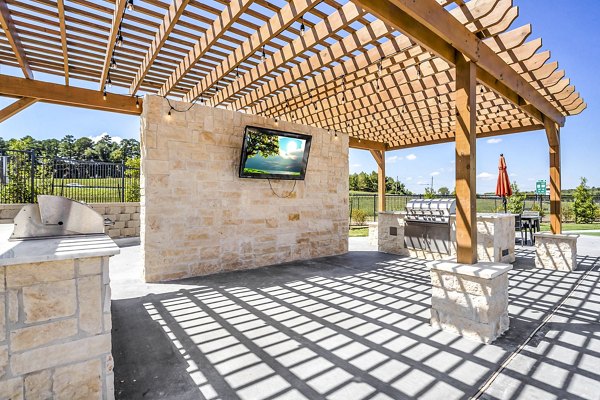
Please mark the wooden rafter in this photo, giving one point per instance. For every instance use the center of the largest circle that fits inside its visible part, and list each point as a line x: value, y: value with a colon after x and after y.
x: 168, y: 24
x: 429, y: 24
x: 15, y: 108
x: 14, y: 40
x: 63, y: 37
x: 112, y: 38
x: 11, y: 86
x: 277, y: 24
x: 219, y: 27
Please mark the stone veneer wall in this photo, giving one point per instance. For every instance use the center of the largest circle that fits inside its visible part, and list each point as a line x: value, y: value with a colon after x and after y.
x: 55, y: 325
x: 198, y: 217
x: 126, y: 217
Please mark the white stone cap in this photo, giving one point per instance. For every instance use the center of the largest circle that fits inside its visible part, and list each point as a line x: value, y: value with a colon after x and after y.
x: 561, y: 236
x: 485, y: 270
x: 496, y: 215
x: 39, y: 250
x: 392, y: 212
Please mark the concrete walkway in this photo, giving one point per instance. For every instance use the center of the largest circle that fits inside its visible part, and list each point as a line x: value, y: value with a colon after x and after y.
x: 353, y: 326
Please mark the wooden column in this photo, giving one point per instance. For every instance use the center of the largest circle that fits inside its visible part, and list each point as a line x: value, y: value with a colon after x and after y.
x: 379, y: 156
x: 554, y: 143
x: 466, y: 213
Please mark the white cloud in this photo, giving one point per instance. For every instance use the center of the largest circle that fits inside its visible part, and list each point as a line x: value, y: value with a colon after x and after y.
x: 512, y: 174
x: 486, y: 176
x: 494, y: 141
x: 96, y: 139
x: 423, y: 183
x: 411, y: 157
x: 355, y: 165
x: 409, y: 178
x: 392, y: 159
x: 434, y: 173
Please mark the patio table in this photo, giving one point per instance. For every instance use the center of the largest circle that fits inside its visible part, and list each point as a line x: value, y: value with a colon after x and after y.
x: 534, y: 225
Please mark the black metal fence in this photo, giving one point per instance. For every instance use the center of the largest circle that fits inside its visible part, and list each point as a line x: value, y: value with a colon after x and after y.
x: 366, y: 204
x: 25, y: 175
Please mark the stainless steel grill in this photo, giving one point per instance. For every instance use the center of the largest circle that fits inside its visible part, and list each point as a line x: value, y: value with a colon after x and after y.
x: 428, y: 224
x: 56, y: 216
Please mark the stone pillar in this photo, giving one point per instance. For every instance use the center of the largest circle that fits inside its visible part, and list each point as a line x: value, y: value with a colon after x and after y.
x: 557, y: 252
x: 55, y: 325
x: 390, y: 236
x: 373, y: 233
x: 470, y: 299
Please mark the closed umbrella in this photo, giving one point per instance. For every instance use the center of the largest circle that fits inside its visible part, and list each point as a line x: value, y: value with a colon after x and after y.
x: 503, y: 185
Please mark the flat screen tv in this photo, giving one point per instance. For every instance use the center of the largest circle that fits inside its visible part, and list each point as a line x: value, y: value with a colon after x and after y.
x: 273, y: 154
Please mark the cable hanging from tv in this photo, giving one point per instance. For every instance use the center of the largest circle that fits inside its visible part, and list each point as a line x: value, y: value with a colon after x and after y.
x: 280, y: 196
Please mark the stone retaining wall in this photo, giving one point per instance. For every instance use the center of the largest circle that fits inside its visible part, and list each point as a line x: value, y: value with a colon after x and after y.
x: 55, y: 326
x: 199, y: 217
x: 125, y: 217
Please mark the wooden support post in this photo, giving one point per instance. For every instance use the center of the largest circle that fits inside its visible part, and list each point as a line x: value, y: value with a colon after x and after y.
x: 379, y: 156
x: 466, y: 212
x: 554, y: 142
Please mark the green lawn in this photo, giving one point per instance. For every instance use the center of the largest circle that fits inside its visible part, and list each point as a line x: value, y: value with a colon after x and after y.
x: 591, y: 233
x: 359, y: 231
x: 568, y: 226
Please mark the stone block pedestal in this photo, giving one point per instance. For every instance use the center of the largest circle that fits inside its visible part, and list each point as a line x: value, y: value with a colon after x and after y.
x: 470, y: 300
x: 55, y: 320
x: 557, y: 252
x: 373, y: 233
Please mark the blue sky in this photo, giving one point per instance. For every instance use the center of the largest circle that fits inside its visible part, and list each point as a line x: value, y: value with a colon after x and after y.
x: 570, y: 29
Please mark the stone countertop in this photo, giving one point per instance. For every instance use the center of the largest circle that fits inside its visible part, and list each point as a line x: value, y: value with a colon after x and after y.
x: 479, y: 215
x: 485, y: 270
x: 39, y: 250
x: 550, y: 235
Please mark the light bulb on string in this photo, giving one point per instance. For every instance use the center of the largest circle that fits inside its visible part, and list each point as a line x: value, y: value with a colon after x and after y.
x: 109, y: 82
x: 113, y: 63
x: 104, y: 94
x: 137, y: 103
x: 263, y: 57
x: 130, y: 5
x: 302, y: 27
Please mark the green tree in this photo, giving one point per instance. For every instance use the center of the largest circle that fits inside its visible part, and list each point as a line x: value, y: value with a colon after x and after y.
x: 66, y: 147
x: 83, y: 149
x: 516, y: 202
x: 429, y: 193
x: 444, y: 191
x: 353, y: 181
x: 583, y: 204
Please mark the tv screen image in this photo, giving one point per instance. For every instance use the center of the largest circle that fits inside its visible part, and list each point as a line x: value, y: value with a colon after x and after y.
x: 273, y: 154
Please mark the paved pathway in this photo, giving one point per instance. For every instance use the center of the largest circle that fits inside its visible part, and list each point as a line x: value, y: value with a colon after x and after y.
x: 354, y: 327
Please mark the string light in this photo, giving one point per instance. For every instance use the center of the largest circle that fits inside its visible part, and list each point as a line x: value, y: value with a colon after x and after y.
x: 119, y: 41
x: 130, y: 5
x: 109, y: 81
x: 263, y: 57
x: 169, y: 113
x: 104, y: 94
x: 237, y: 73
x: 137, y: 103
x: 481, y: 90
x: 418, y: 71
x: 113, y: 63
x: 302, y: 27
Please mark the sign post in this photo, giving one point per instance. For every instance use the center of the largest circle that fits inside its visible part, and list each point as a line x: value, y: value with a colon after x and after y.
x: 540, y: 190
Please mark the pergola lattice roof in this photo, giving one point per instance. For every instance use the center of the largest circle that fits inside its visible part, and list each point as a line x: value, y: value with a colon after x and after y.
x: 349, y: 71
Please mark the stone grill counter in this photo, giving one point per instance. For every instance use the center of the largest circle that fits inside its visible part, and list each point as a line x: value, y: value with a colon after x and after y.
x: 55, y: 320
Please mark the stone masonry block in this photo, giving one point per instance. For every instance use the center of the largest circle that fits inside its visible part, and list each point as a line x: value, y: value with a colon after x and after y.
x: 89, y: 266
x: 78, y: 381
x: 30, y: 274
x: 60, y: 354
x: 477, y: 308
x: 90, y: 303
x: 468, y: 284
x: 47, y: 301
x: 41, y: 335
x: 11, y: 389
x: 39, y: 385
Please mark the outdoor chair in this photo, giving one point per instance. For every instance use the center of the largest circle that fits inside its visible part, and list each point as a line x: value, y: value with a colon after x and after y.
x: 533, y: 224
x: 519, y: 227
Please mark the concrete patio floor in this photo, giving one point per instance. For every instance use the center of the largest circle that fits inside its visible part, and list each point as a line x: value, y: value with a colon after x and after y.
x: 354, y: 326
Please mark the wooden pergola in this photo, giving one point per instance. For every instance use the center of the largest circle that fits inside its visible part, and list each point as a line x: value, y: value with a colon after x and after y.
x: 390, y: 73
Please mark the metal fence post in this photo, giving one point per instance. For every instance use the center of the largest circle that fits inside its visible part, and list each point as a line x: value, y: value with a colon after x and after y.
x: 32, y: 157
x: 375, y: 207
x: 122, y: 181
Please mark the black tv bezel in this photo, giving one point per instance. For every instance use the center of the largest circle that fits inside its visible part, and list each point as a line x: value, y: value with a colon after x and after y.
x: 269, y: 131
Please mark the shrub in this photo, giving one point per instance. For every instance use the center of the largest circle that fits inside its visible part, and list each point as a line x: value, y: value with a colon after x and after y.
x: 536, y: 207
x: 359, y: 216
x: 516, y: 202
x: 566, y: 212
x: 583, y: 205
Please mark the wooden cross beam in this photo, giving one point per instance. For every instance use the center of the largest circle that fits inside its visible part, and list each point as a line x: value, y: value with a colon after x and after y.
x: 15, y: 108
x: 219, y: 27
x: 166, y: 27
x: 433, y: 27
x: 112, y: 38
x: 14, y: 40
x: 277, y: 24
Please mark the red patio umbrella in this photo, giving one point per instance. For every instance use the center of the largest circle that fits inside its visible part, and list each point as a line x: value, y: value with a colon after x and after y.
x: 503, y: 185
